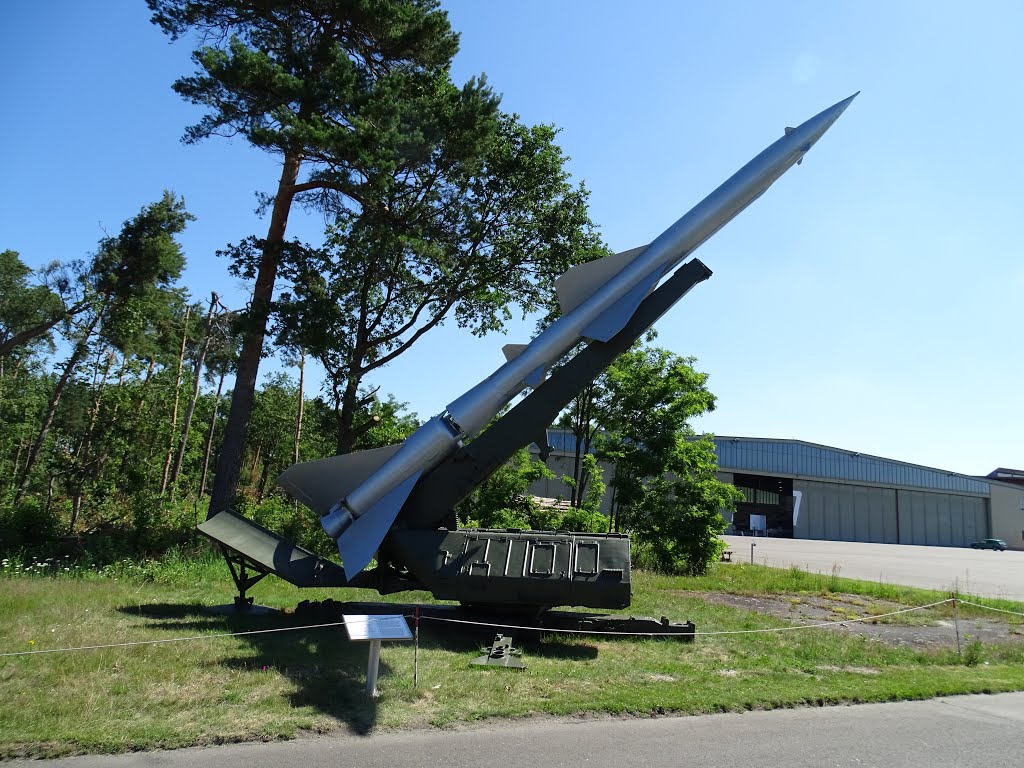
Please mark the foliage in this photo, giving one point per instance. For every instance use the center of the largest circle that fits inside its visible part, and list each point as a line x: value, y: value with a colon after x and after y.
x: 28, y: 526
x: 293, y: 522
x: 442, y: 208
x: 27, y: 312
x: 589, y: 501
x: 503, y: 500
x: 678, y: 523
x: 664, y: 486
x: 473, y: 223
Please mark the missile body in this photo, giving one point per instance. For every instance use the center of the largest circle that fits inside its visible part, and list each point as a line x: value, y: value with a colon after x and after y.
x: 597, y: 299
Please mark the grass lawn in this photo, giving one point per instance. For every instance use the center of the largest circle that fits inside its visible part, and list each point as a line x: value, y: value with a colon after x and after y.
x: 278, y: 685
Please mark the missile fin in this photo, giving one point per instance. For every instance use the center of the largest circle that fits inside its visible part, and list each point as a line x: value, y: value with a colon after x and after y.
x: 614, y: 319
x: 512, y: 351
x: 581, y: 281
x: 322, y: 483
x: 360, y: 542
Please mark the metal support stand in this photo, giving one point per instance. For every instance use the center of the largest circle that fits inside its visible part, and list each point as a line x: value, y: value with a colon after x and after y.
x: 373, y: 669
x: 237, y: 564
x: 956, y: 623
x: 416, y: 651
x: 374, y: 629
x: 241, y: 569
x: 501, y: 654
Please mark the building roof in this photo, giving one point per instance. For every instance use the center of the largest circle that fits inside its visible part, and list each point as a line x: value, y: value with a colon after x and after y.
x: 1003, y: 473
x: 755, y: 455
x: 797, y: 458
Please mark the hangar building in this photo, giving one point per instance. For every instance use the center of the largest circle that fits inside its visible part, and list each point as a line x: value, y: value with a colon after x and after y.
x: 801, y: 490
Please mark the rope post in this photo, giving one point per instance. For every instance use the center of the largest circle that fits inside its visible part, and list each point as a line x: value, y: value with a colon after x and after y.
x: 416, y: 650
x: 956, y: 622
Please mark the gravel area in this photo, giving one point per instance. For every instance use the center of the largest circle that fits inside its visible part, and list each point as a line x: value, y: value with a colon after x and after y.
x: 926, y: 629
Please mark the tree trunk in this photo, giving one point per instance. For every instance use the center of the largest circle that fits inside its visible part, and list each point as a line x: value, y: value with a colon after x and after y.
x: 129, y: 453
x: 208, y: 449
x: 345, y: 418
x: 15, y: 472
x: 80, y: 349
x: 190, y: 411
x: 174, y: 410
x: 298, y: 418
x: 101, y: 460
x: 29, y: 334
x: 264, y: 474
x: 253, y: 475
x: 229, y: 464
x: 82, y: 458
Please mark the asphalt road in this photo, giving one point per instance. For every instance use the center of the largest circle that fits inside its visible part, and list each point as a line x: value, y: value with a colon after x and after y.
x: 971, y: 571
x: 965, y: 731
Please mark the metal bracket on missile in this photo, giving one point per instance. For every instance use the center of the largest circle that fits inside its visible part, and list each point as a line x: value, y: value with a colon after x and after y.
x: 501, y: 654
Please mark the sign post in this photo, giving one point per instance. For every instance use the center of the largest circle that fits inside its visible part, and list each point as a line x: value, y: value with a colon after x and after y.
x: 375, y: 629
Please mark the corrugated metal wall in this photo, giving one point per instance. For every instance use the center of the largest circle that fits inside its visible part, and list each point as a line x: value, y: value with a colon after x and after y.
x: 846, y: 513
x: 786, y: 457
x: 887, y: 515
x: 941, y: 519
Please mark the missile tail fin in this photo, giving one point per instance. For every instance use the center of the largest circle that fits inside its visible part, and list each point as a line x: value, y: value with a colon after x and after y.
x: 359, y: 543
x: 512, y: 351
x: 322, y: 483
x: 581, y: 281
x: 614, y: 319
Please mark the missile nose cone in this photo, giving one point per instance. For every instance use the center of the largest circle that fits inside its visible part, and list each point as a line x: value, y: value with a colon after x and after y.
x: 812, y: 130
x: 837, y: 109
x: 824, y: 119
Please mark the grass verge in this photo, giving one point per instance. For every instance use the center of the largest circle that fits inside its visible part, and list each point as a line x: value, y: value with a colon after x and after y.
x: 278, y: 685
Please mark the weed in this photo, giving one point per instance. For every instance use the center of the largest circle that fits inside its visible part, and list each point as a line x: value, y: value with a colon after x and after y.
x: 973, y: 652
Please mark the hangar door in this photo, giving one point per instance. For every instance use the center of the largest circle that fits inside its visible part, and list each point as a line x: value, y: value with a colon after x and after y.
x: 839, y: 512
x: 941, y: 519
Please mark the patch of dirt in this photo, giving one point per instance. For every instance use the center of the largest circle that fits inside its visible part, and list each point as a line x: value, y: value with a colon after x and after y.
x: 924, y: 630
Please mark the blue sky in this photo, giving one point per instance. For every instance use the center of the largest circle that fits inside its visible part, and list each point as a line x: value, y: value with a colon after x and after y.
x: 870, y: 300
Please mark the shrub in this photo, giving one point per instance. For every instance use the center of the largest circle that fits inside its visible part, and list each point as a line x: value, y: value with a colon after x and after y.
x: 27, y: 526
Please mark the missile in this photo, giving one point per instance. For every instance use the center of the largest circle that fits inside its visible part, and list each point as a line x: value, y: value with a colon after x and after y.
x: 359, y: 495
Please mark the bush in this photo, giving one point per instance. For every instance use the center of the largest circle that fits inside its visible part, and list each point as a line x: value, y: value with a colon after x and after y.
x: 28, y: 526
x: 502, y: 518
x: 585, y: 521
x: 291, y: 521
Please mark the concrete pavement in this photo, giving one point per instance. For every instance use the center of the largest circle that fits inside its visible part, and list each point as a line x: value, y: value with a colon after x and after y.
x: 971, y: 571
x: 965, y: 731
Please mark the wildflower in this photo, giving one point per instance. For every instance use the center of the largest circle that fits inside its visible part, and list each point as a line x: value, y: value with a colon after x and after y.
x: 31, y: 642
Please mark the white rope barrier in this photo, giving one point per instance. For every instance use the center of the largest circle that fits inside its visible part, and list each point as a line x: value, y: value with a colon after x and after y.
x: 695, y: 634
x: 170, y: 640
x: 816, y: 625
x: 989, y: 607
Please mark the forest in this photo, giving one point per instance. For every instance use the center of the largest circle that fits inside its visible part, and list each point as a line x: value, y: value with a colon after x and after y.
x: 130, y: 407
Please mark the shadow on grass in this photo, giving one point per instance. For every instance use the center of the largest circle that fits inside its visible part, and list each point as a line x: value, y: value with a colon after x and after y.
x: 328, y: 672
